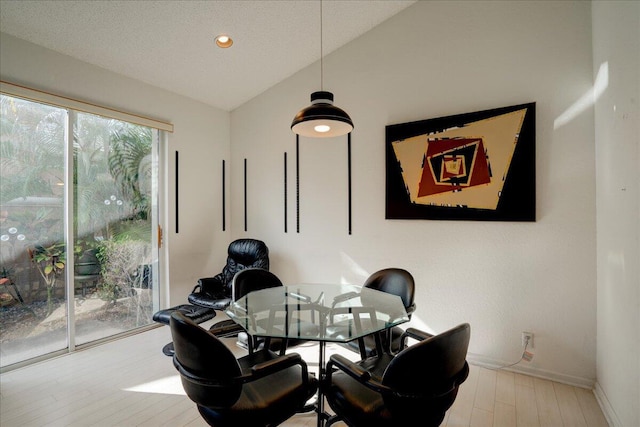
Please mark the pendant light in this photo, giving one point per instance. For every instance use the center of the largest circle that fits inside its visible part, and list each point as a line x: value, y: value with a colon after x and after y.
x: 321, y: 119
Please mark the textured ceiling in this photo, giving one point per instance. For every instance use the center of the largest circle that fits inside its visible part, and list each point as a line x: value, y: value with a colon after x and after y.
x: 170, y: 44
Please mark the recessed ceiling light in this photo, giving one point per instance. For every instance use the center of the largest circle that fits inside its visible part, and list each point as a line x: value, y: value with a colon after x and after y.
x: 224, y: 41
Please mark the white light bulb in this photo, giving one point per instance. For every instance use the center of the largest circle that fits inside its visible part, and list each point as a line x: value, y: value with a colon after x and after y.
x: 322, y: 128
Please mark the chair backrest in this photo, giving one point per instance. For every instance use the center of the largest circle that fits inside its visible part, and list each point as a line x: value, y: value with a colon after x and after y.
x: 201, y: 357
x: 252, y: 279
x: 241, y: 254
x: 429, y: 371
x: 396, y: 281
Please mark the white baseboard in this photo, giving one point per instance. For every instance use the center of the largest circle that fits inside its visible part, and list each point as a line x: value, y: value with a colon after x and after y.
x: 606, y: 407
x: 522, y: 368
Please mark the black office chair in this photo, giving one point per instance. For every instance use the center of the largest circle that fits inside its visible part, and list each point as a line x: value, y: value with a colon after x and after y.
x: 260, y: 389
x: 414, y: 387
x: 396, y: 281
x: 215, y: 292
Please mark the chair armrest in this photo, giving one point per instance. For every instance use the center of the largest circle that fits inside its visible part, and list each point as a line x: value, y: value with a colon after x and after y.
x: 259, y: 370
x: 278, y: 364
x: 344, y: 297
x: 299, y: 297
x: 367, y: 379
x: 347, y: 366
x: 357, y: 372
x: 414, y: 333
x: 226, y: 330
x: 208, y: 284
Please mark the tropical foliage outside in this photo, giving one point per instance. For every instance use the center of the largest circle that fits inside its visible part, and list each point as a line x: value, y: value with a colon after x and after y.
x: 112, y: 172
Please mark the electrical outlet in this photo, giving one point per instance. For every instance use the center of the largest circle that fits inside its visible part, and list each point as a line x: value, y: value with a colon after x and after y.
x: 527, y: 336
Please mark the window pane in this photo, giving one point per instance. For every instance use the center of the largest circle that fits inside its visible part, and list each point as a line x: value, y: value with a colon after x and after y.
x: 32, y: 245
x: 114, y: 250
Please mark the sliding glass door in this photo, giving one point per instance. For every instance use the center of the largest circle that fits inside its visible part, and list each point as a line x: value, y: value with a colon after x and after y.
x: 78, y: 227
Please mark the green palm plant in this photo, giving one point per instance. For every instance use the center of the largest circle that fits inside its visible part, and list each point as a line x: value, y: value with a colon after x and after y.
x: 130, y: 167
x: 50, y: 261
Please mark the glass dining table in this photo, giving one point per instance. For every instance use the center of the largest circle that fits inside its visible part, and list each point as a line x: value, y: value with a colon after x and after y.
x: 318, y: 312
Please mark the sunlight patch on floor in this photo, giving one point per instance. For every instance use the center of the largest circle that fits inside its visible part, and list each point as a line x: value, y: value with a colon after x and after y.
x: 166, y: 385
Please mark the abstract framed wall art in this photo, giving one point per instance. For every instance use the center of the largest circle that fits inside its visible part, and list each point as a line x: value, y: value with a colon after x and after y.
x: 477, y: 166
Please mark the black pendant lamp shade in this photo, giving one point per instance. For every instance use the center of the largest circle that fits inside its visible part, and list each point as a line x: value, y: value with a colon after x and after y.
x: 322, y: 119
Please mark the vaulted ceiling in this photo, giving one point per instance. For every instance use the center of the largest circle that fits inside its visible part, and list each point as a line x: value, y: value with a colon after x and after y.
x: 170, y: 44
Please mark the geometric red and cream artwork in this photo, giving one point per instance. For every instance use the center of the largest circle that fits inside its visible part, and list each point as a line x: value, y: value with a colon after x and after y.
x: 462, y: 166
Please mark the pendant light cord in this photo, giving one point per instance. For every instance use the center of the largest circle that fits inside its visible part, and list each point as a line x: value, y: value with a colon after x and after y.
x: 321, y: 56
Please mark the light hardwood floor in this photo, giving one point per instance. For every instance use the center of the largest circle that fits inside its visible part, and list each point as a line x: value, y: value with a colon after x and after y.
x: 130, y: 382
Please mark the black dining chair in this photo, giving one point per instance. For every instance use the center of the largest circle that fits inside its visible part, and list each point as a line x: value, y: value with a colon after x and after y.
x: 255, y: 279
x: 258, y: 390
x: 245, y: 281
x: 413, y: 387
x: 396, y: 281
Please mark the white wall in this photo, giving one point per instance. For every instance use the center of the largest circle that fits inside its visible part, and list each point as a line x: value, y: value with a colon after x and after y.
x: 616, y: 43
x: 431, y: 60
x: 201, y: 136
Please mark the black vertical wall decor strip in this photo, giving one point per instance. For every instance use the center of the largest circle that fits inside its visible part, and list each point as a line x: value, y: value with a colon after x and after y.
x: 224, y: 198
x: 297, y: 183
x: 285, y: 191
x: 177, y: 204
x: 245, y: 194
x: 349, y: 175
